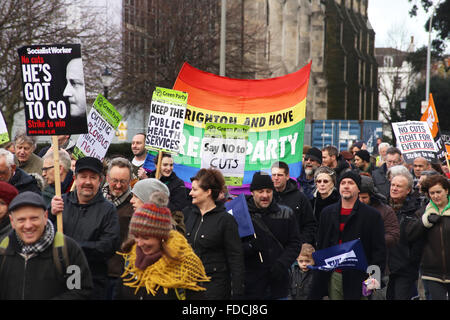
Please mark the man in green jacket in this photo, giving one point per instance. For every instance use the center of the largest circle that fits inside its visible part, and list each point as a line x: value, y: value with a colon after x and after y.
x: 29, y: 256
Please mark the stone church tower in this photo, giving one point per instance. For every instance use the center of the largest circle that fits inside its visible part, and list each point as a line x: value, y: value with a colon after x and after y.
x: 336, y: 36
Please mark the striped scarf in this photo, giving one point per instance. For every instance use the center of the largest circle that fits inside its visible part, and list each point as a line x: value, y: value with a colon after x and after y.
x: 116, y: 201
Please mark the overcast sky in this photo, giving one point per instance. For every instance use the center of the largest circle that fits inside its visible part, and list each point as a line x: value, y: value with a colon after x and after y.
x: 394, y: 27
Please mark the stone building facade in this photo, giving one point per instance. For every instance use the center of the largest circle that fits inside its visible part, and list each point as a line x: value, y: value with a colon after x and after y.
x: 337, y: 37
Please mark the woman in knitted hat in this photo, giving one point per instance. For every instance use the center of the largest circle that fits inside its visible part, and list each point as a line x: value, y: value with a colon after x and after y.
x: 7, y: 193
x: 159, y: 262
x: 213, y: 234
x: 326, y: 192
x: 178, y: 198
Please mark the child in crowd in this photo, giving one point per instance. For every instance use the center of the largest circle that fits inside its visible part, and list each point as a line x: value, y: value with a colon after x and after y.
x: 301, y: 277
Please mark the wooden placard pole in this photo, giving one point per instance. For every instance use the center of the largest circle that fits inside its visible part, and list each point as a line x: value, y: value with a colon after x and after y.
x: 59, y: 221
x: 158, y: 166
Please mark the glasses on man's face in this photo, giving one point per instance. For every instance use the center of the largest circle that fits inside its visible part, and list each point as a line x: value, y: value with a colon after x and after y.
x: 394, y: 162
x: 323, y: 181
x: 115, y: 181
x: 47, y: 168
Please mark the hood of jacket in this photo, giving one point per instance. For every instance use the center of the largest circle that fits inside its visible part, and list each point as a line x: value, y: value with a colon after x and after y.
x: 20, y: 177
x: 291, y: 186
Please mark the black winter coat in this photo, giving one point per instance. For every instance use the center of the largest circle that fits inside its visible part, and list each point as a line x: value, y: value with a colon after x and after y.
x: 178, y: 198
x: 318, y: 204
x: 37, y: 278
x: 299, y: 203
x: 215, y: 239
x: 269, y: 278
x: 24, y: 182
x: 301, y: 283
x: 404, y: 258
x: 365, y: 223
x: 94, y: 226
x: 380, y: 181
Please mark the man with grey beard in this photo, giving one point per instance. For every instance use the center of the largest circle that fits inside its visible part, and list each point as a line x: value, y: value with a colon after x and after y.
x: 313, y: 160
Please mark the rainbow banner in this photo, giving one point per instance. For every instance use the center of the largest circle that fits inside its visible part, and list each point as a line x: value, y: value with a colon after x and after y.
x: 274, y: 109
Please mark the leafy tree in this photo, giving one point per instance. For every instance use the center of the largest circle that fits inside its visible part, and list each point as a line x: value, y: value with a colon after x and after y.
x: 440, y: 23
x: 441, y: 96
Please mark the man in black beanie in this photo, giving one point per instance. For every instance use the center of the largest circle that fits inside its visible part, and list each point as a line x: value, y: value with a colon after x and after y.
x: 275, y: 245
x: 362, y: 161
x: 348, y: 219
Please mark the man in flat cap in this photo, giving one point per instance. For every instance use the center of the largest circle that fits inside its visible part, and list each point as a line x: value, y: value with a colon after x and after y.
x: 91, y: 220
x: 276, y: 244
x: 28, y: 268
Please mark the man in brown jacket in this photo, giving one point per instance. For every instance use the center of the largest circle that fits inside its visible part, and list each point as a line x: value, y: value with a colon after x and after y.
x: 369, y: 196
x: 377, y: 200
x: 118, y: 191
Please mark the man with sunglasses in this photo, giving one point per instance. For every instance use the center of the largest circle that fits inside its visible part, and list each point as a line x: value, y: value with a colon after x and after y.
x: 48, y: 173
x: 312, y: 161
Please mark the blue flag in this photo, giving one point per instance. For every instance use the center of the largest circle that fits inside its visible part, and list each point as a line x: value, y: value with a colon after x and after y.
x: 347, y: 255
x: 149, y: 163
x: 239, y: 210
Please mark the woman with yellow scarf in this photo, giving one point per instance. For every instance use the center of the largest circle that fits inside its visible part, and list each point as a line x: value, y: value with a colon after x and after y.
x: 159, y: 262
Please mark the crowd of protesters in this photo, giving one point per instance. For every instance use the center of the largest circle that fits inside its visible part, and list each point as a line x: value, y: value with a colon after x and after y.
x: 130, y: 234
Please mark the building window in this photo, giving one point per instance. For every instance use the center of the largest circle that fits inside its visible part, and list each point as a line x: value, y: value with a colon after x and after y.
x: 388, y: 61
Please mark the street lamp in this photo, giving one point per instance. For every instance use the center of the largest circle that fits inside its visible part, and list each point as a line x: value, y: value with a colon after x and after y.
x: 107, y: 80
x: 403, y: 109
x: 223, y: 27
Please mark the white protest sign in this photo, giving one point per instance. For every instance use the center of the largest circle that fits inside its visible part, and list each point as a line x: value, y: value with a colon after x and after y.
x: 224, y: 147
x: 102, y: 123
x: 3, y: 130
x: 166, y: 120
x: 414, y: 140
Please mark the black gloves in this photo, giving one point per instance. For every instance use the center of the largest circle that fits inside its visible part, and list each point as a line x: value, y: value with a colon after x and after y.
x: 434, y: 218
